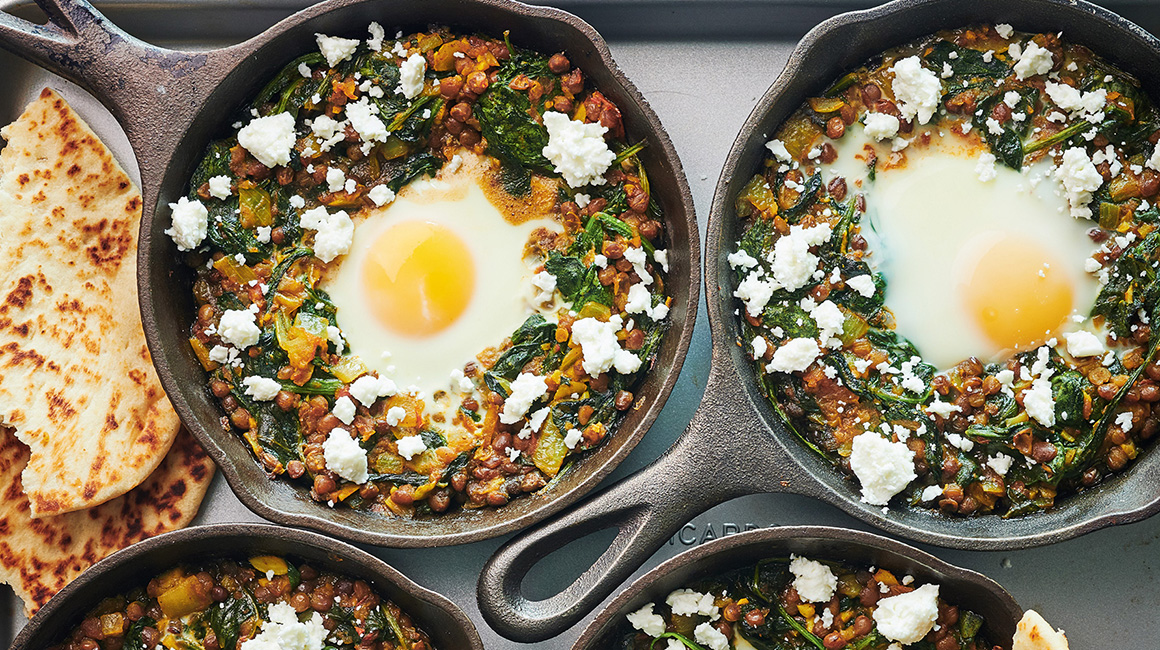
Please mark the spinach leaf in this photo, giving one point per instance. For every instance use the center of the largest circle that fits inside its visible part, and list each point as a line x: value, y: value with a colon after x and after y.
x: 513, y: 135
x: 399, y: 173
x: 1069, y: 389
x: 794, y: 321
x: 966, y: 63
x: 228, y: 618
x: 528, y: 343
x: 1132, y: 285
x: 432, y: 438
x: 457, y: 464
x: 225, y: 230
x: 215, y: 163
x: 807, y: 197
x: 288, y: 91
x: 578, y: 283
x: 1007, y: 145
x: 534, y: 330
x: 410, y: 478
x: 133, y: 634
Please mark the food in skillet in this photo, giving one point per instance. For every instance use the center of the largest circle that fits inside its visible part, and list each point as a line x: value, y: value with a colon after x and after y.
x: 429, y: 271
x: 799, y: 603
x: 948, y: 275
x: 260, y: 603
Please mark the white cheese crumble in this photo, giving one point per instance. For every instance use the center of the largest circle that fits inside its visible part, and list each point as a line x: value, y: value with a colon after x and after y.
x: 917, y: 89
x: 1001, y: 463
x: 577, y: 150
x: 335, y: 179
x: 1032, y: 60
x: 755, y: 291
x: 333, y: 232
x: 572, y: 438
x: 395, y: 415
x: 814, y: 581
x: 941, y: 408
x: 1154, y: 159
x: 190, y: 221
x: 219, y: 187
x: 796, y: 355
x: 661, y: 256
x: 526, y: 389
x: 791, y: 261
x: 909, y: 617
x: 710, y: 636
x: 364, y: 118
x: 545, y: 283
x: 344, y: 456
x: 1079, y: 178
x: 375, y: 42
x: 284, y: 631
x: 884, y: 468
x: 646, y: 621
x: 759, y: 347
x: 881, y: 126
x: 411, y: 74
x: 829, y: 319
x: 601, y: 349
x: 1078, y: 103
x: 269, y: 139
x: 863, y: 284
x: 262, y: 389
x: 1004, y: 30
x: 1039, y: 402
x: 238, y: 327
x: 640, y: 302
x: 411, y: 446
x: 1124, y: 421
x: 931, y: 492
x: 741, y: 259
x: 381, y: 195
x: 1083, y: 344
x: 777, y: 148
x: 344, y: 409
x: 639, y: 260
x: 336, y: 49
x: 985, y: 168
x: 368, y: 388
x: 297, y: 202
x: 686, y: 602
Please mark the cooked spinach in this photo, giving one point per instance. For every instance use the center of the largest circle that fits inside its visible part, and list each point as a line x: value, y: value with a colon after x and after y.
x: 226, y: 619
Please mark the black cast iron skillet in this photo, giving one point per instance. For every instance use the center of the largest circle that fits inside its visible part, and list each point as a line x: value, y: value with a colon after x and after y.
x: 445, y: 623
x: 171, y: 104
x: 735, y: 443
x: 966, y: 589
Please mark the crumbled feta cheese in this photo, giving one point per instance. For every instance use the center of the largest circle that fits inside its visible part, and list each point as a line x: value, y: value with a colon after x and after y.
x: 1071, y: 99
x: 884, y: 468
x: 1154, y: 159
x: 546, y: 284
x: 368, y: 388
x: 219, y: 187
x: 661, y: 256
x: 710, y: 636
x: 297, y: 202
x: 336, y: 49
x: 460, y: 382
x: 262, y: 389
x: 334, y: 335
x: 190, y: 221
x: 335, y: 179
x: 269, y: 139
x: 600, y: 261
x: 333, y: 232
x: 814, y: 581
x: 741, y: 259
x: 639, y: 260
x: 304, y: 71
x: 363, y: 116
x: 796, y: 355
x: 395, y: 415
x: 863, y: 284
x: 1004, y: 30
x: 646, y: 621
x: 238, y: 327
x: 829, y: 320
x: 381, y: 195
x: 985, y: 168
x: 577, y: 150
x: 1039, y: 403
x: 375, y: 42
x: 526, y: 389
x: 285, y: 632
x: 600, y: 348
x: 1079, y: 178
x: 791, y: 261
x: 344, y: 409
x: 1124, y: 421
x: 881, y: 126
x: 220, y: 353
x: 1033, y: 60
x: 325, y: 127
x: 572, y: 438
x: 960, y: 442
x: 760, y: 347
x: 640, y: 302
x: 909, y: 617
x: 993, y: 126
x: 777, y: 148
x: 686, y: 602
x: 582, y: 200
x: 1001, y: 463
x: 1083, y: 344
x: 411, y: 446
x: 411, y: 74
x: 344, y: 456
x: 931, y: 492
x: 916, y: 89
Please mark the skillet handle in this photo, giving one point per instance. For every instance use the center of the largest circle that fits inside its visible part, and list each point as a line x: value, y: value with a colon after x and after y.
x: 724, y: 453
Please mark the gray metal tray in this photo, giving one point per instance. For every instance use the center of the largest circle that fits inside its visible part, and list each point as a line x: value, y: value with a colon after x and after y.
x: 702, y: 64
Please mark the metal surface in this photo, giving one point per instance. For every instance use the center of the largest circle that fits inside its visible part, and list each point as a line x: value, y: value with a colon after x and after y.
x: 446, y: 624
x: 703, y: 84
x: 735, y: 431
x: 172, y: 103
x: 966, y: 589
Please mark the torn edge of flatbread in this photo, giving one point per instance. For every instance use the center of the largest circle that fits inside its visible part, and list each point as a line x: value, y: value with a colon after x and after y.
x: 76, y: 379
x: 1034, y: 633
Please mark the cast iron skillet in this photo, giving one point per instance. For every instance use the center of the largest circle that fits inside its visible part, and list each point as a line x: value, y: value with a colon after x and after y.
x: 445, y: 623
x: 171, y: 104
x: 735, y: 443
x: 967, y: 589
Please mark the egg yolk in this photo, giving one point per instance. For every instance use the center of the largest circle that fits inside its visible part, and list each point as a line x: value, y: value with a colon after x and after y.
x: 419, y: 277
x: 1017, y: 294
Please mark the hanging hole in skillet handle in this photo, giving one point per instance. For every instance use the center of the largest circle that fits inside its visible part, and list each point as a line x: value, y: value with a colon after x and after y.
x: 646, y: 508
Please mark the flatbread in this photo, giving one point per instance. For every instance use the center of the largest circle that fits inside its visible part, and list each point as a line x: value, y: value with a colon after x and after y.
x: 1034, y: 633
x: 38, y: 557
x: 76, y: 381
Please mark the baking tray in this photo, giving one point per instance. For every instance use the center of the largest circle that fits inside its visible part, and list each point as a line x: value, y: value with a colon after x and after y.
x: 702, y: 64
